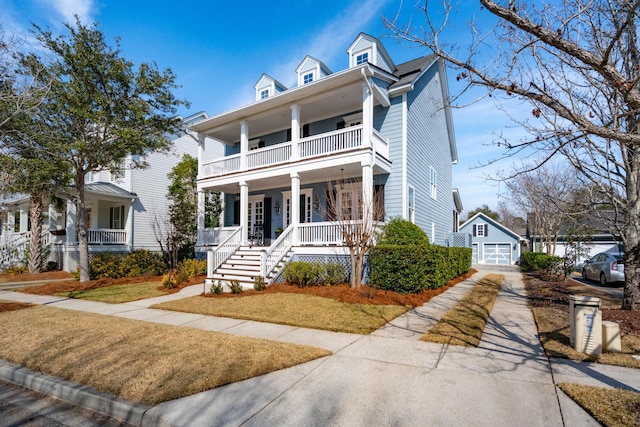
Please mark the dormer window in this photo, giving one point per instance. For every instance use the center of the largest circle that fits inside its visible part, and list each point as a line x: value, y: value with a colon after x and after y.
x: 264, y: 93
x: 307, y: 78
x: 362, y: 58
x: 267, y: 86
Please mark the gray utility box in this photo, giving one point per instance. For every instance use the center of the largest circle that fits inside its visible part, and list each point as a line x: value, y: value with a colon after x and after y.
x: 585, y: 319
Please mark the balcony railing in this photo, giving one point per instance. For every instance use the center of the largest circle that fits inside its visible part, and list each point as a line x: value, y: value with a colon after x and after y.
x: 313, y: 146
x: 106, y: 237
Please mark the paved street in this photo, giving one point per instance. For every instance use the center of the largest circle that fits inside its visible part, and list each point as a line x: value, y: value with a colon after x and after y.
x: 22, y: 407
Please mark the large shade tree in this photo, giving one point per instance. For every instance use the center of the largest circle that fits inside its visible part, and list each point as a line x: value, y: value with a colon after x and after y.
x: 100, y: 109
x: 577, y: 63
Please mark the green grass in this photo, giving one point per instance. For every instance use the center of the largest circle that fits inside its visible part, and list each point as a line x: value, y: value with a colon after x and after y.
x: 118, y: 293
x: 305, y: 311
x: 465, y: 322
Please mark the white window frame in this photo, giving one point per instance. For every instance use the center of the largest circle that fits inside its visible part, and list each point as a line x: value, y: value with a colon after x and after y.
x: 264, y: 93
x: 433, y: 182
x: 480, y: 228
x: 362, y: 58
x: 308, y: 209
x: 116, y: 217
x: 411, y: 203
x: 308, y: 77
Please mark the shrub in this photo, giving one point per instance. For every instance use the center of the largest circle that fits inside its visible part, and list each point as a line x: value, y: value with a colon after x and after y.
x: 216, y: 288
x: 401, y: 232
x: 190, y: 268
x: 539, y: 261
x: 170, y: 281
x: 302, y: 274
x: 259, y: 283
x: 138, y: 263
x: 398, y: 268
x: 16, y: 269
x: 235, y: 287
x: 333, y: 274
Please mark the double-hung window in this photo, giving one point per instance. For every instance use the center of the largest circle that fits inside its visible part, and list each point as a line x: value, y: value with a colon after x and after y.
x: 433, y: 178
x: 411, y: 214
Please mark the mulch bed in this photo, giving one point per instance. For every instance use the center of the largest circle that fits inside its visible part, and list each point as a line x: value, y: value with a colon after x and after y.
x: 554, y: 292
x: 364, y: 295
x: 26, y: 277
x: 344, y: 293
x: 13, y: 306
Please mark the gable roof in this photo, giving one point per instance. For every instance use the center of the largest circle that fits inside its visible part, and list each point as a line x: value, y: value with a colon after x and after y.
x: 493, y: 222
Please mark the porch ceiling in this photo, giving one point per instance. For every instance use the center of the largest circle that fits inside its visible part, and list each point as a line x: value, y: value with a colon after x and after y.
x: 340, y: 93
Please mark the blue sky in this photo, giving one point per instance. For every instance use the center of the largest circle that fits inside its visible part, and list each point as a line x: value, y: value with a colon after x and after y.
x: 218, y: 50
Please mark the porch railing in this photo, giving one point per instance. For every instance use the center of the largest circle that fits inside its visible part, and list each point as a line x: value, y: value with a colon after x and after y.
x: 320, y: 233
x: 271, y: 155
x: 213, y: 236
x: 106, y: 236
x: 222, y: 166
x: 312, y: 146
x: 331, y: 142
x: 277, y: 251
x: 216, y: 257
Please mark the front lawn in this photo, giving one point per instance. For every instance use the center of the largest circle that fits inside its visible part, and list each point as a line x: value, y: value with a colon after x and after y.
x: 118, y: 294
x: 307, y: 311
x: 135, y: 360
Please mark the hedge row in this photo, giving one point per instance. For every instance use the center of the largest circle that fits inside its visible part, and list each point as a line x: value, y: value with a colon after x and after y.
x: 539, y: 261
x: 413, y: 268
x: 138, y: 263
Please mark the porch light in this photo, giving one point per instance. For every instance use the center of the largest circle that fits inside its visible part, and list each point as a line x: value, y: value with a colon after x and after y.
x: 342, y: 179
x: 276, y: 207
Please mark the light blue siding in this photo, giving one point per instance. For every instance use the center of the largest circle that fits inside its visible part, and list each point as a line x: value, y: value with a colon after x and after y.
x: 388, y: 121
x: 428, y: 146
x: 498, y: 238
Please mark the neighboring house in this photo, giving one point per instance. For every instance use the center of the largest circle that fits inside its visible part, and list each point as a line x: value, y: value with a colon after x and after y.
x: 493, y: 243
x: 121, y: 209
x: 580, y: 239
x: 373, y: 128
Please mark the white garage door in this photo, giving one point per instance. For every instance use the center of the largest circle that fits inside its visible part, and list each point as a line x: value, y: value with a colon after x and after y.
x: 474, y: 254
x: 497, y: 253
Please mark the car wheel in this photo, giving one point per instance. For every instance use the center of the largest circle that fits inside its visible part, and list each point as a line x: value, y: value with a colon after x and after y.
x: 603, y: 279
x: 584, y: 274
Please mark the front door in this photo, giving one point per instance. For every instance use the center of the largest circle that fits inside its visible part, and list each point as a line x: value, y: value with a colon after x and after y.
x: 255, y: 212
x: 306, y: 198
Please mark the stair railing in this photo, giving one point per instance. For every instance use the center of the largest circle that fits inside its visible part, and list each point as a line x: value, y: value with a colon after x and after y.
x: 272, y: 256
x: 223, y: 251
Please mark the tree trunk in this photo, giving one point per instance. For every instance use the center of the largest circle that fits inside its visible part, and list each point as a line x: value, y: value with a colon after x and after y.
x: 355, y: 277
x: 83, y: 238
x: 631, y: 238
x: 35, y: 245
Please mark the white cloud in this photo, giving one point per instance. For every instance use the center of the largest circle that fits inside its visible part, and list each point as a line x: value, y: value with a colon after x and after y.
x: 332, y: 40
x: 69, y: 8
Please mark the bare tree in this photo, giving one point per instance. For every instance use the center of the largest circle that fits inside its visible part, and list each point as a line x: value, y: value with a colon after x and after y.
x: 358, y: 222
x: 509, y: 218
x: 576, y: 62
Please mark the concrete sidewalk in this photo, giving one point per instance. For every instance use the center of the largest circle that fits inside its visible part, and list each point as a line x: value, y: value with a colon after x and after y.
x: 388, y: 377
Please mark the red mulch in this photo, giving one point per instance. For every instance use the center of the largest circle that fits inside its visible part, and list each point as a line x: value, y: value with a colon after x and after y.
x: 13, y: 306
x: 74, y: 285
x: 26, y: 277
x: 364, y: 295
x: 344, y: 293
x: 551, y: 291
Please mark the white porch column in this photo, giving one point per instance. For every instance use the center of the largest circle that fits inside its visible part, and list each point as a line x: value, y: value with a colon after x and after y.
x: 244, y: 144
x: 295, y: 131
x: 244, y: 211
x: 223, y: 206
x: 71, y: 222
x: 130, y: 225
x: 367, y: 115
x: 200, y: 219
x: 295, y: 203
x: 201, y: 152
x: 367, y: 193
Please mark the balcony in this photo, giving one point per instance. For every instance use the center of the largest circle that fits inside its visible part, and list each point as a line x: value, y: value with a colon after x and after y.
x: 321, y: 145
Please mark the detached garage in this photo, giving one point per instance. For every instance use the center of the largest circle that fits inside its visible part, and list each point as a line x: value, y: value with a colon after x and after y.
x: 492, y: 242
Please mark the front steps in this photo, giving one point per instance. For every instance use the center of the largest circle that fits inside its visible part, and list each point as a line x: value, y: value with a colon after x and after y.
x: 243, y: 266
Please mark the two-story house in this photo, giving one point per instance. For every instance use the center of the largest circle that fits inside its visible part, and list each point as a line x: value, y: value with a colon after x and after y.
x: 373, y: 128
x: 123, y: 208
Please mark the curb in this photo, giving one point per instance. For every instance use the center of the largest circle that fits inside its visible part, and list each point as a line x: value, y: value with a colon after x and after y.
x: 75, y: 394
